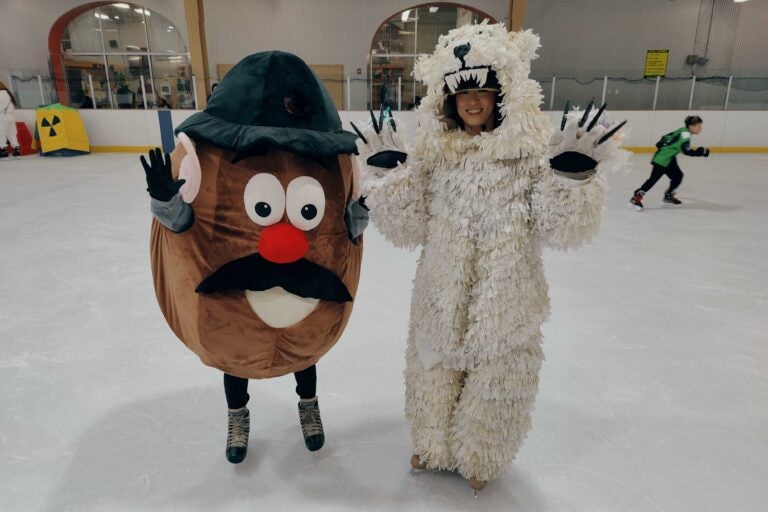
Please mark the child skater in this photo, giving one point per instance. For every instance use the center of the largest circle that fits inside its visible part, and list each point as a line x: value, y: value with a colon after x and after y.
x: 665, y: 162
x: 477, y: 194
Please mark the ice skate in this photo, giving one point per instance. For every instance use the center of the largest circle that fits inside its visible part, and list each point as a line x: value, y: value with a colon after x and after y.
x: 476, y: 484
x: 16, y: 152
x: 671, y: 200
x: 636, y: 202
x: 416, y: 463
x: 3, y: 153
x: 311, y: 425
x: 237, y: 435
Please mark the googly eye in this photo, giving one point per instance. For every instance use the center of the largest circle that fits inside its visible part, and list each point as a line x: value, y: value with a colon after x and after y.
x: 264, y: 199
x: 305, y: 203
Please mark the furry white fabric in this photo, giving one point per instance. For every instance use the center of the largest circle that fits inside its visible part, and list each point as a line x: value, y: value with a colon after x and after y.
x: 481, y: 206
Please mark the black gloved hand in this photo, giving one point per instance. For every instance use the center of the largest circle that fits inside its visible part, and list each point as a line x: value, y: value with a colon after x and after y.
x: 706, y: 152
x: 575, y: 150
x: 160, y: 183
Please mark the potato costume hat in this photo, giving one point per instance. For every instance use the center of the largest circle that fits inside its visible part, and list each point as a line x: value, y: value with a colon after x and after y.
x: 262, y: 281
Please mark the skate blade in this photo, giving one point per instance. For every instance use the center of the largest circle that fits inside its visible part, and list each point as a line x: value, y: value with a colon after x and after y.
x: 634, y: 207
x: 671, y: 205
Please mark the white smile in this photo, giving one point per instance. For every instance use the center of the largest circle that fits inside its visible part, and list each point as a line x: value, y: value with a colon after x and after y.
x: 279, y: 308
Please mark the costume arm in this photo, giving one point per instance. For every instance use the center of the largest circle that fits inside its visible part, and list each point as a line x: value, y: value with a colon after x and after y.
x: 398, y: 202
x: 394, y: 183
x: 567, y: 196
x: 567, y: 212
x: 166, y: 202
x: 174, y: 214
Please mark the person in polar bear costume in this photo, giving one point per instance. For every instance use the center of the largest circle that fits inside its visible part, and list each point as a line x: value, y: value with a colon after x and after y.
x: 485, y: 185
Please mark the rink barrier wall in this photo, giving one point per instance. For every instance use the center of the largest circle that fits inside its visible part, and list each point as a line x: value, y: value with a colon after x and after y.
x: 129, y: 131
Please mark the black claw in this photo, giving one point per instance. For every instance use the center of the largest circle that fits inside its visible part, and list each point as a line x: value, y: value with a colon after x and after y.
x: 586, y: 113
x: 597, y: 116
x: 373, y: 120
x: 565, y: 114
x: 392, y: 124
x: 610, y: 133
x: 359, y: 134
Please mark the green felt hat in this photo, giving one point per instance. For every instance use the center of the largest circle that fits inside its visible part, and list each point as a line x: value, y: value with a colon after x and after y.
x: 271, y: 98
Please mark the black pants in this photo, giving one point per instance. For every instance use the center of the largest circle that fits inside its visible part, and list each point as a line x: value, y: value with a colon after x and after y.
x: 236, y: 388
x: 672, y: 170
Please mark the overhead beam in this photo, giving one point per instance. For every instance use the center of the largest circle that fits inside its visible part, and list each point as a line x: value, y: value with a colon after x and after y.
x: 516, y: 15
x: 197, y: 49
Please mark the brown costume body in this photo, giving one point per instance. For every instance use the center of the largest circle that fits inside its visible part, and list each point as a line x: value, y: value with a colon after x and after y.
x: 221, y: 328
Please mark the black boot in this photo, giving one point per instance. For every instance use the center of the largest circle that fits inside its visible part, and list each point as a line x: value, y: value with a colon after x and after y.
x: 311, y: 425
x: 3, y: 153
x: 16, y: 151
x: 636, y: 202
x: 669, y: 198
x: 237, y: 435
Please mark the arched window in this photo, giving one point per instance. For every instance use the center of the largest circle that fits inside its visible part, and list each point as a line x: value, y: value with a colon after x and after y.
x: 400, y: 39
x: 106, y: 51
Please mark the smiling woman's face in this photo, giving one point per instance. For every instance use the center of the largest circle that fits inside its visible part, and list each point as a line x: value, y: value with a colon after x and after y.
x: 476, y: 110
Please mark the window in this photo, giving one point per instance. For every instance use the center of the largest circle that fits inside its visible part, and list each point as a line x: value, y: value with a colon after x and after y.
x: 398, y: 42
x: 116, y: 54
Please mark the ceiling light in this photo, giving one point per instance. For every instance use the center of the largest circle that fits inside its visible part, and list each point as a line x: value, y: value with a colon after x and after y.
x: 146, y: 12
x: 433, y: 9
x: 121, y: 6
x: 404, y: 17
x: 739, y: 1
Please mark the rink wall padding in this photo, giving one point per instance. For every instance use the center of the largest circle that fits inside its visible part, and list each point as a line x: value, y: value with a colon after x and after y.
x: 724, y: 131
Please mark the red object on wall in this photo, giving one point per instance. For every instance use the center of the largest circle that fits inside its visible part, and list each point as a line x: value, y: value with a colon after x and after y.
x: 25, y: 140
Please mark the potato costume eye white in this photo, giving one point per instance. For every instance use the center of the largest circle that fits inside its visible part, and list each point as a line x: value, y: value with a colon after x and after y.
x: 481, y: 207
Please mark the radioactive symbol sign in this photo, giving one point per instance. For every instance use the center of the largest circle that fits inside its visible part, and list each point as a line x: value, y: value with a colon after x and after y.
x: 50, y: 124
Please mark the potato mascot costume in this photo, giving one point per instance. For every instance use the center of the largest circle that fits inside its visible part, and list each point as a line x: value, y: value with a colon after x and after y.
x: 256, y: 242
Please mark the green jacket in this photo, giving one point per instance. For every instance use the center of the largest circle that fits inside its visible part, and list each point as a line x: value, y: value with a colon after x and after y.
x: 673, y: 143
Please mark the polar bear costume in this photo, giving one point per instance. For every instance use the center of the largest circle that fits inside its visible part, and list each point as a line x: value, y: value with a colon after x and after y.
x: 481, y: 207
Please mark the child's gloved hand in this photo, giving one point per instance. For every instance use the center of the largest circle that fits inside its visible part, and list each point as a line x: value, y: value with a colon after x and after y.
x: 576, y: 149
x: 160, y: 183
x: 379, y: 144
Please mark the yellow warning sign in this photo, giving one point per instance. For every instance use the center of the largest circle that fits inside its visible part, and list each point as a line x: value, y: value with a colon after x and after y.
x: 656, y: 63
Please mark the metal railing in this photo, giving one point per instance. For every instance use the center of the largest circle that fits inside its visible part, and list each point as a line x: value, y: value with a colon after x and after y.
x: 715, y: 91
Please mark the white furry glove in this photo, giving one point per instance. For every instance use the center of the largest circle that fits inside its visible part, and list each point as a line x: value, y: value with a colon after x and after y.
x: 379, y: 144
x: 577, y: 148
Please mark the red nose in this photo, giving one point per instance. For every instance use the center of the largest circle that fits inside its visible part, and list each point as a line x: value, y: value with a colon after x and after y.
x: 282, y: 243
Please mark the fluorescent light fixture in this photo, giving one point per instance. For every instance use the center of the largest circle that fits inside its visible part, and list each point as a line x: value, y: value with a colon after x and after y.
x: 405, y: 15
x: 121, y: 6
x: 146, y: 12
x: 102, y: 16
x: 433, y: 9
x: 117, y: 17
x: 739, y: 1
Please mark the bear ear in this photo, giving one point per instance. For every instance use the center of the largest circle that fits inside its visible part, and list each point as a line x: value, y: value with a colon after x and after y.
x: 527, y: 42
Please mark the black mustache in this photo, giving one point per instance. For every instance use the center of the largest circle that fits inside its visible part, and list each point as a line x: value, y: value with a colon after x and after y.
x: 302, y: 278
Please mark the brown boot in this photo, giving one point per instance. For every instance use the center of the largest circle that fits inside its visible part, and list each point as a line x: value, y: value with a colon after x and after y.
x: 416, y: 462
x: 476, y: 484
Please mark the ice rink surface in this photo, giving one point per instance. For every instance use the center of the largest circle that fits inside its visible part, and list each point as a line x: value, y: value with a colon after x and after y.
x: 653, y: 397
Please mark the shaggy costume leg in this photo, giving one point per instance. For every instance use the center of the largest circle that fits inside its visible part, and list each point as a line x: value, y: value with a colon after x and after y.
x: 473, y: 422
x: 493, y: 415
x: 430, y: 398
